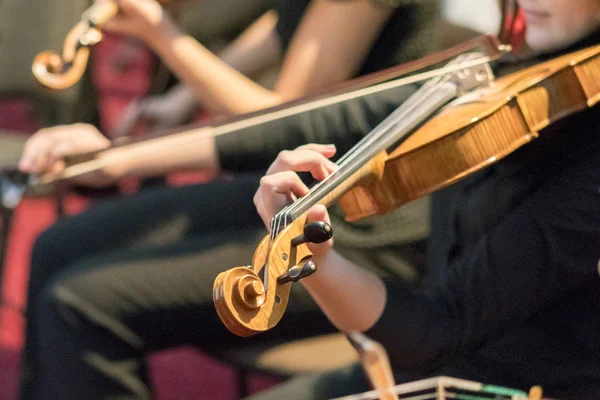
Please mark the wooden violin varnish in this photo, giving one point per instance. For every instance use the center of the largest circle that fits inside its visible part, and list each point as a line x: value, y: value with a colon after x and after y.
x: 458, y: 123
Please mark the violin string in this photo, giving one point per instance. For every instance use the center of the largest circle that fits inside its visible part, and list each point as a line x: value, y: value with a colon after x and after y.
x: 365, y: 141
x: 368, y: 139
x: 98, y: 164
x: 286, y: 215
x: 416, y: 97
x: 379, y: 133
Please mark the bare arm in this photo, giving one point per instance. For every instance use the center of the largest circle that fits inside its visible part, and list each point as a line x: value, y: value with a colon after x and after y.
x: 331, y: 43
x: 256, y: 49
x: 190, y: 150
x: 251, y: 53
x: 355, y: 305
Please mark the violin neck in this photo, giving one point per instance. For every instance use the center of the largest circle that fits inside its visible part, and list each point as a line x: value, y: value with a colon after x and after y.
x: 354, y: 166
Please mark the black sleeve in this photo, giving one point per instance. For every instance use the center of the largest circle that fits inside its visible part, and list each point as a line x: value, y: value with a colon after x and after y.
x: 546, y: 248
x: 342, y: 124
x: 290, y: 13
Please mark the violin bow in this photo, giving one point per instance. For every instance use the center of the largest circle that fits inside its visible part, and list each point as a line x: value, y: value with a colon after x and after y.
x: 86, y: 163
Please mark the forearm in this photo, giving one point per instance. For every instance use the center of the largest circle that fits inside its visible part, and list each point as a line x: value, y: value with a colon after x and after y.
x: 191, y: 150
x: 341, y: 123
x: 256, y: 49
x: 217, y: 85
x: 351, y: 297
x: 255, y: 146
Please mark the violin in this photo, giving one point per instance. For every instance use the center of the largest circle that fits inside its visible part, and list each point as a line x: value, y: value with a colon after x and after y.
x: 63, y: 71
x: 453, y: 126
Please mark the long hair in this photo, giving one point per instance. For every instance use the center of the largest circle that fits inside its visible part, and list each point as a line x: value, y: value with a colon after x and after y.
x: 509, y: 10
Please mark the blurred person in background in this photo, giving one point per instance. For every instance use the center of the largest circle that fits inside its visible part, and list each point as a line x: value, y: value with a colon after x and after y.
x: 253, y: 52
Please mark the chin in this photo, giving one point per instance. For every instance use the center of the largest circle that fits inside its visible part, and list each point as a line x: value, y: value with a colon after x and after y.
x: 538, y: 41
x: 544, y: 41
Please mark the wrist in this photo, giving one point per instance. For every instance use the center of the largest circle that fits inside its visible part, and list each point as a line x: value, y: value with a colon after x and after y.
x: 324, y: 261
x: 162, y: 37
x: 115, y: 164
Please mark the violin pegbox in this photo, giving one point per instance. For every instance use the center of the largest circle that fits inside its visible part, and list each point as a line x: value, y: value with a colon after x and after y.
x: 247, y: 304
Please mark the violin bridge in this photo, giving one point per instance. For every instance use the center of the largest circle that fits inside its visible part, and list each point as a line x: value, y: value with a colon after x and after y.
x: 475, y: 74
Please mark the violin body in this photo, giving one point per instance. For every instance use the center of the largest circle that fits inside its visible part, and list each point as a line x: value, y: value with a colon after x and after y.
x: 475, y: 131
x: 470, y: 133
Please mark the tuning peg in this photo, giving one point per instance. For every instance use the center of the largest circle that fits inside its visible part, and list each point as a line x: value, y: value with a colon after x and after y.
x: 296, y: 273
x: 315, y: 232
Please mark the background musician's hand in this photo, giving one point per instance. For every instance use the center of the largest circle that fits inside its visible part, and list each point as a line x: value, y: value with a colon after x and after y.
x: 143, y: 19
x: 169, y: 110
x: 282, y: 185
x: 45, y: 151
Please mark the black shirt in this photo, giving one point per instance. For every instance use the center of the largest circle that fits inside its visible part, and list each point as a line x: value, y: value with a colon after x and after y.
x: 513, y: 294
x: 513, y: 291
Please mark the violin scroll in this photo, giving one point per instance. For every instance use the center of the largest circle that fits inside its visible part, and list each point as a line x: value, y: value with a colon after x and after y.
x: 63, y: 71
x: 248, y: 305
x: 60, y: 72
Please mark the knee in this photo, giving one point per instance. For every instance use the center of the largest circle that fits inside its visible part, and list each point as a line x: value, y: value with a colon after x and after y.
x: 47, y: 260
x: 81, y: 303
x: 53, y: 304
x: 58, y: 314
x: 57, y: 303
x: 47, y: 249
x: 49, y: 314
x: 53, y: 251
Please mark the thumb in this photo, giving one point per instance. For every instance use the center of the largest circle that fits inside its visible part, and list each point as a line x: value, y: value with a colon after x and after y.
x: 315, y: 214
x: 118, y: 24
x: 57, y: 168
x: 121, y: 22
x: 128, y: 6
x: 318, y: 213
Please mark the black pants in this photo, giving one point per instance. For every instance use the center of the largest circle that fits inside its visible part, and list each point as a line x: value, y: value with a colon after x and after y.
x: 133, y: 276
